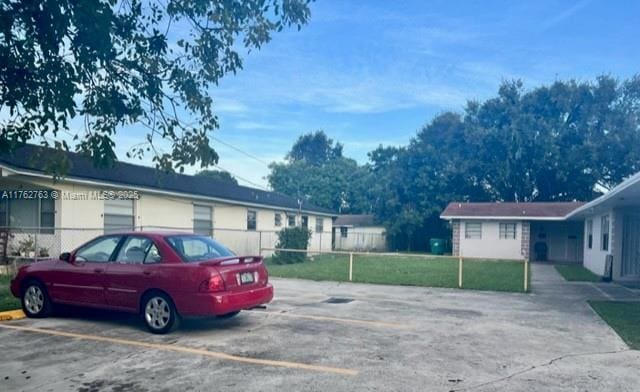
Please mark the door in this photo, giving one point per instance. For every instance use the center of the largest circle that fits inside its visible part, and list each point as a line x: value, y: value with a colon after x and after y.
x: 81, y: 281
x: 631, y: 246
x: 133, y: 271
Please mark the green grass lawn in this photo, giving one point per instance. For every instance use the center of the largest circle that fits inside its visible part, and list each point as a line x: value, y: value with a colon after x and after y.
x: 408, y: 271
x: 577, y: 273
x: 7, y: 300
x: 623, y: 317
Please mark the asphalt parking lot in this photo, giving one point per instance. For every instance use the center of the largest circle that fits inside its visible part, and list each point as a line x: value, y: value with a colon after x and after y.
x: 320, y: 336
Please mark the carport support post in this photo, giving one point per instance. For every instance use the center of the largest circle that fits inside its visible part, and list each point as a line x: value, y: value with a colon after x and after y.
x: 350, y: 267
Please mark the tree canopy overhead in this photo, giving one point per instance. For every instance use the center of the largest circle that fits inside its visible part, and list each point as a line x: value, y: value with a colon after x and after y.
x: 114, y: 63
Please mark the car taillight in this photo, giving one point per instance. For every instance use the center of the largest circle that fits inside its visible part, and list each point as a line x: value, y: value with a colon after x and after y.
x: 214, y: 283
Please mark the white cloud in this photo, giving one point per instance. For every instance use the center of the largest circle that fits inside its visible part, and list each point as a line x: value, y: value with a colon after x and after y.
x: 564, y: 14
x: 228, y: 105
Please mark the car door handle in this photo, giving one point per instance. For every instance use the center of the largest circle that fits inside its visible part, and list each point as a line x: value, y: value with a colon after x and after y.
x: 98, y: 270
x: 146, y: 272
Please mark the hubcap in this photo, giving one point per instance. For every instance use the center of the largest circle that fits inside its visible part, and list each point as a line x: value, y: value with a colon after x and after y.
x: 34, y: 299
x: 157, y: 313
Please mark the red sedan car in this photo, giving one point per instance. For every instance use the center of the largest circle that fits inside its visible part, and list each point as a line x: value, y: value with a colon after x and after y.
x: 162, y: 276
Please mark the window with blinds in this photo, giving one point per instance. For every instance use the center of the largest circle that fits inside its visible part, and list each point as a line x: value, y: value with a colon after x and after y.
x: 251, y: 220
x: 203, y: 220
x: 473, y: 230
x: 118, y: 215
x: 319, y: 225
x: 508, y: 231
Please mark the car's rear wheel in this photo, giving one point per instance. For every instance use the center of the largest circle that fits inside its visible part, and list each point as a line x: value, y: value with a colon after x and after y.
x: 159, y: 313
x: 35, y: 300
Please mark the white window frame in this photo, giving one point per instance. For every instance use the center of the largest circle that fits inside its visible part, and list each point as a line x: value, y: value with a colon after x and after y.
x: 319, y: 224
x: 106, y: 215
x: 589, y: 229
x: 475, y: 234
x: 197, y: 219
x: 504, y: 231
x: 289, y: 219
x: 255, y: 220
x: 277, y: 219
x: 605, y: 225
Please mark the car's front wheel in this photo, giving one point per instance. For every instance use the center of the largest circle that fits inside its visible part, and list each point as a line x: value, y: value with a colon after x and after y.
x: 35, y: 300
x: 159, y: 313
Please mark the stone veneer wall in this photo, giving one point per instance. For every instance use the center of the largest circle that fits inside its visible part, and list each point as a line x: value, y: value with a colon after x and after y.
x: 455, y: 240
x: 525, y: 243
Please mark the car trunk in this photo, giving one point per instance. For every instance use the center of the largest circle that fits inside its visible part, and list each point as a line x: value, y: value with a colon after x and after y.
x: 240, y: 273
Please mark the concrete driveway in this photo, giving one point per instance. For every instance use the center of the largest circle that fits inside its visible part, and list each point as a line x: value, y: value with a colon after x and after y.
x: 320, y: 336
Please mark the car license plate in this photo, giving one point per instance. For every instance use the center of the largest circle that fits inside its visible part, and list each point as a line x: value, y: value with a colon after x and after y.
x: 246, y: 277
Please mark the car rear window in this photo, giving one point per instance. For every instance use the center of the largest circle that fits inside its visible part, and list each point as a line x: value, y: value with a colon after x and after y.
x: 194, y: 248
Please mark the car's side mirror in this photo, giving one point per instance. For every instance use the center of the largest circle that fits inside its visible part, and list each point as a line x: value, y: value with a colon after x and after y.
x: 66, y: 256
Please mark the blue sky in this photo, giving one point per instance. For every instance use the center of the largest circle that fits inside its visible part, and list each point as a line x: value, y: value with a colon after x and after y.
x: 374, y: 72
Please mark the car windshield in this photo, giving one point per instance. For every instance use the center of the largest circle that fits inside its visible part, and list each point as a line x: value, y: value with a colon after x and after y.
x: 193, y: 248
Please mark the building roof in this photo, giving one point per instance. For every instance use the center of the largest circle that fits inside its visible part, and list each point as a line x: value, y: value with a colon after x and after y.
x: 29, y: 160
x: 530, y: 211
x: 362, y: 220
x: 625, y: 194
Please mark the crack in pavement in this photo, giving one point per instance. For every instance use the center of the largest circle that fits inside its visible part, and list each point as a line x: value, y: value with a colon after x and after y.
x: 541, y: 365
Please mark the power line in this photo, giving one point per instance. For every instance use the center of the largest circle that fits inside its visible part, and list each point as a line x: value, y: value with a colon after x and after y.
x: 240, y: 151
x: 243, y: 179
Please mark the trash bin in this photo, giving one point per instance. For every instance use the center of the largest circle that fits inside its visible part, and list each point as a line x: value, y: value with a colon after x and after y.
x: 437, y: 246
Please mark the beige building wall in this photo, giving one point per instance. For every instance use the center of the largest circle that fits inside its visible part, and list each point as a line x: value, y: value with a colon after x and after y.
x: 78, y: 219
x: 164, y: 211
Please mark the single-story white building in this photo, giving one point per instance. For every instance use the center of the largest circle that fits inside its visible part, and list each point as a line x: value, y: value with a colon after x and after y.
x: 603, y: 235
x: 536, y: 231
x: 612, y: 228
x: 89, y: 201
x: 359, y: 233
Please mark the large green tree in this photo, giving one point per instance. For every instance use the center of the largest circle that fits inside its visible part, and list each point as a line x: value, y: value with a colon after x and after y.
x: 116, y: 63
x: 561, y: 142
x: 218, y: 175
x: 316, y: 171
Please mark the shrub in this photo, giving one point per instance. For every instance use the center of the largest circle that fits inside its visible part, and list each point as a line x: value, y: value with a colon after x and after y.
x: 292, y: 238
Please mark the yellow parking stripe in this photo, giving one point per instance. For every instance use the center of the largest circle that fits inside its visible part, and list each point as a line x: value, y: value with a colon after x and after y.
x: 188, y: 350
x: 12, y: 315
x: 338, y: 319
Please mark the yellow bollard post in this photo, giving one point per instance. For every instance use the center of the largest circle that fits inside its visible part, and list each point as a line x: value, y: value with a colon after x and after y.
x: 460, y: 273
x: 350, y: 267
x: 526, y: 274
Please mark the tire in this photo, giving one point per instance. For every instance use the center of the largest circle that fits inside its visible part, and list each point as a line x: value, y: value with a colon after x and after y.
x: 35, y: 300
x: 159, y: 313
x: 228, y: 315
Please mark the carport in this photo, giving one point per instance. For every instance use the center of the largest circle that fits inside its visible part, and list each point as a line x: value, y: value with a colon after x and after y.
x: 562, y: 241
